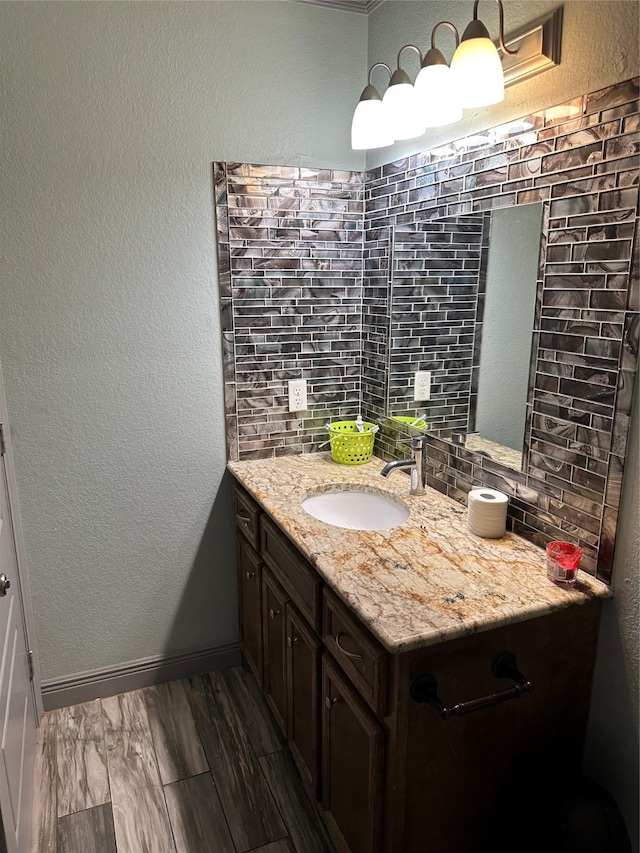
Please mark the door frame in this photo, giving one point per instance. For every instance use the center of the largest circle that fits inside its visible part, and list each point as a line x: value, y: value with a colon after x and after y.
x: 21, y: 560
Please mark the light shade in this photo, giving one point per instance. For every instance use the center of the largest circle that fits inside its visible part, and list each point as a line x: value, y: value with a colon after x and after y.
x: 369, y: 127
x: 401, y: 107
x: 436, y: 93
x: 476, y: 68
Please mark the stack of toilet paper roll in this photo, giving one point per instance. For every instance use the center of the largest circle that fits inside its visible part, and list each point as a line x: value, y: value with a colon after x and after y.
x: 487, y: 513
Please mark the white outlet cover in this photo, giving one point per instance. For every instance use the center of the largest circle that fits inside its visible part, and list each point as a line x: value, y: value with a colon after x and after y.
x: 422, y: 385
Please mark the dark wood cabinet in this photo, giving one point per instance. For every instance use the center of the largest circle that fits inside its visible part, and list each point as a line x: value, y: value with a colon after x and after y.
x: 250, y: 604
x: 274, y: 674
x: 303, y: 669
x: 352, y: 762
x: 393, y: 776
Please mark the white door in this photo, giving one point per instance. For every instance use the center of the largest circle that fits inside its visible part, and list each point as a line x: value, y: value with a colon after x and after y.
x: 18, y: 717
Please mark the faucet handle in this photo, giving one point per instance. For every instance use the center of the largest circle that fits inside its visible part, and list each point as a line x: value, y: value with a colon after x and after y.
x: 416, y: 441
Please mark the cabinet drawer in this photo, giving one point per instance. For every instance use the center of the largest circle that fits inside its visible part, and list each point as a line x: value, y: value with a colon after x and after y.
x: 247, y: 515
x: 299, y: 579
x: 359, y: 654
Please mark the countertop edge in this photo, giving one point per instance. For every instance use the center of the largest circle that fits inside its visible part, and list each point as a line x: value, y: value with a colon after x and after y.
x: 430, y: 636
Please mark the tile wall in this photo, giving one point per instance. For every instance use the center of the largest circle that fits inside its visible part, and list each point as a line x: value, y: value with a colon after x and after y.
x: 290, y: 268
x: 437, y: 298
x: 304, y: 258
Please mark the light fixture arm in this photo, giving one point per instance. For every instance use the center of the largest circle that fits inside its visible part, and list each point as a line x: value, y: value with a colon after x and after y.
x: 445, y: 24
x: 503, y: 47
x: 373, y: 68
x: 409, y: 47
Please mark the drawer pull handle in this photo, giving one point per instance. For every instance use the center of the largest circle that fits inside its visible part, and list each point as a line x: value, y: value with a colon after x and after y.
x: 329, y: 703
x: 243, y: 517
x: 273, y: 613
x: 343, y: 650
x: 291, y: 641
x: 425, y: 689
x: 250, y: 575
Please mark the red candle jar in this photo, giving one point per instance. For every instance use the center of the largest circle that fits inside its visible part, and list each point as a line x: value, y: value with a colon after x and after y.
x: 563, y: 562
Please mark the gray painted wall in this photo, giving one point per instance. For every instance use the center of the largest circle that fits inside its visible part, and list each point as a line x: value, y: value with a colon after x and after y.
x: 109, y: 334
x: 613, y: 742
x: 509, y: 310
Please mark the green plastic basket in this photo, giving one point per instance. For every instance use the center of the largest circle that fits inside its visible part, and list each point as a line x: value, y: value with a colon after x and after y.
x: 350, y: 447
x: 418, y: 423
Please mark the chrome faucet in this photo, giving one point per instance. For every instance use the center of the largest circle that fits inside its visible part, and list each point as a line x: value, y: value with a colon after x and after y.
x: 417, y: 463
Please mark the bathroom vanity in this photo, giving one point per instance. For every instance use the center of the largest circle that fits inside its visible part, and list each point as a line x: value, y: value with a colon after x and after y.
x: 372, y: 647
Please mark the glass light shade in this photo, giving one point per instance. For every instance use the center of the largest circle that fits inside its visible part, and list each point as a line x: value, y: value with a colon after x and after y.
x: 477, y: 71
x: 437, y: 96
x: 369, y: 127
x: 402, y: 109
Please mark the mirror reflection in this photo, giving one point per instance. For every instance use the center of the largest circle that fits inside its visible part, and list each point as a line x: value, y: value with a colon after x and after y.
x: 463, y: 297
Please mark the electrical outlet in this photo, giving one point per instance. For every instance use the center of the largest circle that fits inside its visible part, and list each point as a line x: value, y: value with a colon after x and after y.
x: 422, y: 385
x: 297, y: 395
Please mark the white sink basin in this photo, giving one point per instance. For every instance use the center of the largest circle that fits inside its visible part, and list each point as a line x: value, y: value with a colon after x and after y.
x: 356, y: 510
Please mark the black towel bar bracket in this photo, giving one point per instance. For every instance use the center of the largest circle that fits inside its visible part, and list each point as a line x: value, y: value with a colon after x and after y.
x: 425, y: 689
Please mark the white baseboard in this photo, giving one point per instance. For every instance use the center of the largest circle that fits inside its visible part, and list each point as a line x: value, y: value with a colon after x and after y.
x: 108, y: 681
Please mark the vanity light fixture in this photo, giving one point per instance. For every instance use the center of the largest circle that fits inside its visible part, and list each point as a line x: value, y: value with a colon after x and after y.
x: 369, y: 128
x: 401, y: 104
x: 476, y: 78
x: 440, y: 93
x: 476, y: 66
x: 435, y: 86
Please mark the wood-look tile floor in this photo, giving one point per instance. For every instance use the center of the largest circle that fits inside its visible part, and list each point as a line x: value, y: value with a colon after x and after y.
x: 194, y: 766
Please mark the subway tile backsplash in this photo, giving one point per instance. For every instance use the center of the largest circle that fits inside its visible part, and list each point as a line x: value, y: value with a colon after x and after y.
x: 305, y: 268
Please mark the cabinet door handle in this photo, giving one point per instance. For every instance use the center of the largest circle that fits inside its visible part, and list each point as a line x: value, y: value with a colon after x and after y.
x: 343, y: 650
x: 273, y: 613
x: 291, y: 641
x: 329, y: 703
x: 250, y: 575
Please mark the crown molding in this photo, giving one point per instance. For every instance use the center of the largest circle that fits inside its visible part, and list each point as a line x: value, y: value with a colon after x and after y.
x: 362, y: 7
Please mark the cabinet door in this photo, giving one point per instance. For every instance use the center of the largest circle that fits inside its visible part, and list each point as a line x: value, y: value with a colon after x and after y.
x: 274, y: 600
x: 303, y: 671
x: 352, y: 759
x: 250, y: 604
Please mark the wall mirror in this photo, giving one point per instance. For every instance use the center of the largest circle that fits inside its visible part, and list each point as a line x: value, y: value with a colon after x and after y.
x: 463, y: 298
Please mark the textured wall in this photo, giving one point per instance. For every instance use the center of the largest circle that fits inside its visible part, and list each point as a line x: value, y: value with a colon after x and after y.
x: 612, y: 739
x: 109, y: 330
x: 290, y: 260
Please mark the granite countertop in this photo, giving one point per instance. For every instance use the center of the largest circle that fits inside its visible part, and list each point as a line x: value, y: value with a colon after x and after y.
x: 424, y: 581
